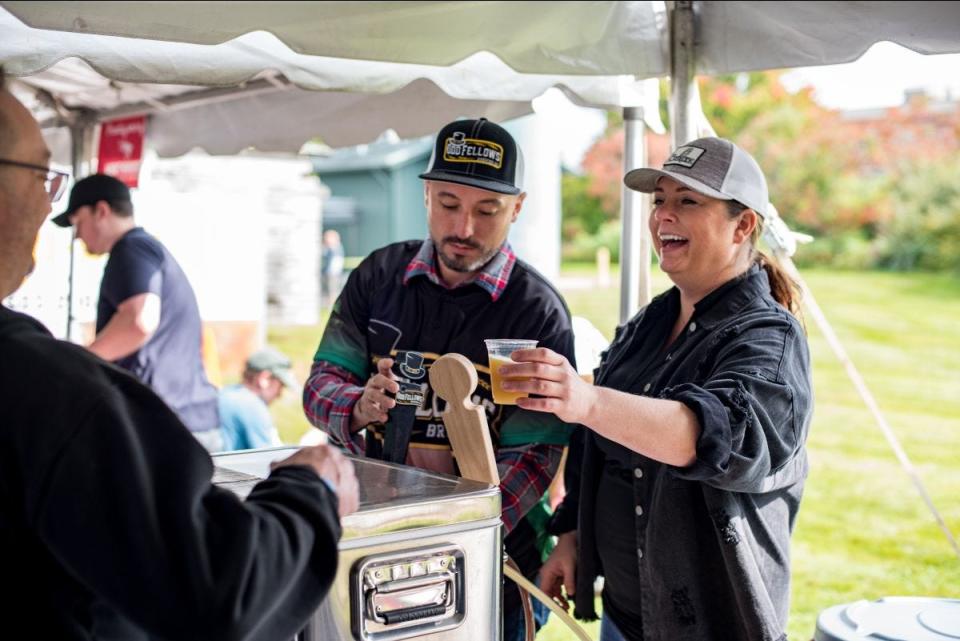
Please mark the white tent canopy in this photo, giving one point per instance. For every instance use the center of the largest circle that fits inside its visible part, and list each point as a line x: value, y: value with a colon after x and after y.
x: 218, y: 96
x: 585, y: 38
x: 162, y: 57
x: 197, y: 64
x: 145, y: 56
x: 268, y: 113
x: 747, y: 36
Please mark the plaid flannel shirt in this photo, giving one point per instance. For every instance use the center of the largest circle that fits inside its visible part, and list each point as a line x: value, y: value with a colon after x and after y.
x: 493, y: 277
x: 332, y: 391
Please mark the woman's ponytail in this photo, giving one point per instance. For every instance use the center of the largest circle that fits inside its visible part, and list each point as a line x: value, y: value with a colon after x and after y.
x: 782, y: 287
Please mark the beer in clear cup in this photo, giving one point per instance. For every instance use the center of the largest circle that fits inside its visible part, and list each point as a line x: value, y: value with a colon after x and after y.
x: 498, y: 353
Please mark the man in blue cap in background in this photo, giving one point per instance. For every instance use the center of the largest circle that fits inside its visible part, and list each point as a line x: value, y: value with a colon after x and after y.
x: 244, y: 407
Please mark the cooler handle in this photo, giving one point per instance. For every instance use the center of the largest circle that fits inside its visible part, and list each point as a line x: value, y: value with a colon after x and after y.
x: 408, y: 600
x: 409, y: 593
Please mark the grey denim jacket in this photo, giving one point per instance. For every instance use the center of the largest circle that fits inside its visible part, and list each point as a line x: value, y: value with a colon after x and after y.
x: 714, y: 559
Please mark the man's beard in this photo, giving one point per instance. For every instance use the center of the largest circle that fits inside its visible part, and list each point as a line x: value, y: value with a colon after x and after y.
x: 461, y: 264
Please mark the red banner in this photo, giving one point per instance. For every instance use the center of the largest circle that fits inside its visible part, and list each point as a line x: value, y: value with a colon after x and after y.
x: 121, y: 149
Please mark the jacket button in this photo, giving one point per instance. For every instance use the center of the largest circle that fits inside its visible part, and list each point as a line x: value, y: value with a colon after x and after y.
x: 638, y: 473
x: 646, y: 388
x: 638, y: 510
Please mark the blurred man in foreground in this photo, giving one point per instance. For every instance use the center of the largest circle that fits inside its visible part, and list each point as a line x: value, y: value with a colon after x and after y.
x: 109, y: 524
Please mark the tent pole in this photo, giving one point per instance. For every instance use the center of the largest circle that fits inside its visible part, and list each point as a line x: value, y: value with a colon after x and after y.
x: 634, y: 239
x: 80, y: 133
x: 683, y: 126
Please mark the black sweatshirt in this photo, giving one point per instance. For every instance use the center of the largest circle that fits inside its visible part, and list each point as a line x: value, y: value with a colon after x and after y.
x: 110, y: 527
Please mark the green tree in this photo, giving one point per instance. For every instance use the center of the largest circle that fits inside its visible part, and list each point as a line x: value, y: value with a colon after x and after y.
x: 794, y: 139
x: 582, y: 211
x: 874, y: 189
x: 924, y: 231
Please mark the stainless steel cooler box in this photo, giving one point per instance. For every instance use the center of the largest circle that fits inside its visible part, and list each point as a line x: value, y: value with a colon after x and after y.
x: 420, y: 559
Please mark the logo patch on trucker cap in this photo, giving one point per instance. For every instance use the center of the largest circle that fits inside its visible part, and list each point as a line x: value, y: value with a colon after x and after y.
x: 684, y: 156
x: 477, y: 153
x: 459, y: 148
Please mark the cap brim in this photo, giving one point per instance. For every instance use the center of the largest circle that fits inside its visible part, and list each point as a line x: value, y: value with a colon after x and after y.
x: 645, y: 180
x: 287, y: 378
x: 472, y: 181
x: 62, y: 220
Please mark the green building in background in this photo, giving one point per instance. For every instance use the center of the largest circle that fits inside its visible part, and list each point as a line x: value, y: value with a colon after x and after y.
x: 376, y: 197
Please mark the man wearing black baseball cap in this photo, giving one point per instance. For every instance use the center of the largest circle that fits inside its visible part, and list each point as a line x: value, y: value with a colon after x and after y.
x: 148, y: 321
x: 93, y: 189
x: 448, y: 293
x: 475, y: 165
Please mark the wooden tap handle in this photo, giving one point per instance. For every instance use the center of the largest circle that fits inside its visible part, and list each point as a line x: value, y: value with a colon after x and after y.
x: 453, y: 378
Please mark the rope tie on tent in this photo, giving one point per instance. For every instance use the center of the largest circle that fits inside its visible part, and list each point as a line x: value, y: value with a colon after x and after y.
x: 512, y: 572
x: 783, y: 243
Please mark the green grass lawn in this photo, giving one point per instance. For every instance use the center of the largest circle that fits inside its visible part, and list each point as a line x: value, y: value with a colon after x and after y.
x: 863, y: 531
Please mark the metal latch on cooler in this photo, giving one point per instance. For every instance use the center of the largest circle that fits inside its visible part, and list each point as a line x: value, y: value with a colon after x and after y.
x: 410, y: 593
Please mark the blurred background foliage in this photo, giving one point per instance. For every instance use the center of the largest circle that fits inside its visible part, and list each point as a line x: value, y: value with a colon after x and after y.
x: 876, y: 188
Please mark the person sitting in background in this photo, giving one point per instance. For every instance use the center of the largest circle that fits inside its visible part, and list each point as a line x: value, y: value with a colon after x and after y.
x: 244, y: 412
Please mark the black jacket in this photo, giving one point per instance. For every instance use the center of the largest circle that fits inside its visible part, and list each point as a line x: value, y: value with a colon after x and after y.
x: 109, y: 524
x: 705, y: 549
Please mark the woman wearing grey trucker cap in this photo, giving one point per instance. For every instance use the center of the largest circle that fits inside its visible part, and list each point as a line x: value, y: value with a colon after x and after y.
x: 686, y: 485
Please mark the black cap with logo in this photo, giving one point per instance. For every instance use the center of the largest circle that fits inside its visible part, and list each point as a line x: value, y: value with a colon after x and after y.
x: 90, y: 191
x: 477, y: 153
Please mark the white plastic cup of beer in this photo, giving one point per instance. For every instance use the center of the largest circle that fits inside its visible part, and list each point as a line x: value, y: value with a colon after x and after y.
x: 498, y: 354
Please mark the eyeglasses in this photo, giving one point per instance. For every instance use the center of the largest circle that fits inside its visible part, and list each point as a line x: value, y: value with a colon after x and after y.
x: 55, y: 181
